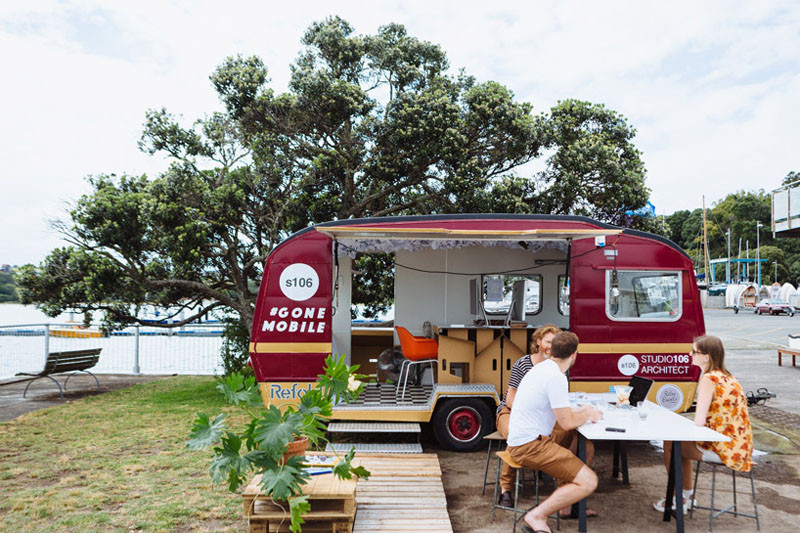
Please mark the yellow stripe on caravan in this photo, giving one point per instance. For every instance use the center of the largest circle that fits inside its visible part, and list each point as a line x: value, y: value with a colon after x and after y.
x: 291, y: 347
x: 656, y: 347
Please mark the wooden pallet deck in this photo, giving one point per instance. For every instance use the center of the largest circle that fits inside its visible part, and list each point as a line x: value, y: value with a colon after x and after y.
x: 332, y: 503
x: 404, y: 493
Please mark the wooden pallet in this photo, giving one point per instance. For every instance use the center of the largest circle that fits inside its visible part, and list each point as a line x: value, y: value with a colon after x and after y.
x: 332, y: 500
x: 404, y: 493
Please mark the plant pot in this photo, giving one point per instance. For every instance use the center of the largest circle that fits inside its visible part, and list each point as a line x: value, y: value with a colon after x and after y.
x: 296, y: 447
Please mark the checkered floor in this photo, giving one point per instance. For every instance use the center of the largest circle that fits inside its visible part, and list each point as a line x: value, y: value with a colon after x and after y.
x: 385, y: 394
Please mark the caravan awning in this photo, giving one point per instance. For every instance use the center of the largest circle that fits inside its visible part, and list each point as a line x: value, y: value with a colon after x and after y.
x: 446, y: 234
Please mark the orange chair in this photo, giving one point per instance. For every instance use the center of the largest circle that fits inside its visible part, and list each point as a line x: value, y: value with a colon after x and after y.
x: 417, y: 351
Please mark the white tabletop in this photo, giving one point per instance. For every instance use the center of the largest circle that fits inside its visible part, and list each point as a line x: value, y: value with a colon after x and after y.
x: 661, y: 424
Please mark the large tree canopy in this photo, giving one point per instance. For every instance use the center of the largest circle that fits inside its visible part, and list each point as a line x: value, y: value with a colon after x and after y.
x: 370, y: 125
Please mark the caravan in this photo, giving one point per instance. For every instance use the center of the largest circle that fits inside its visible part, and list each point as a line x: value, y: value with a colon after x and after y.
x: 484, y: 283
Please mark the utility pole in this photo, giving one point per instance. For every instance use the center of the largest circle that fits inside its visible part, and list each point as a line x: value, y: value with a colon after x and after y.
x: 775, y: 279
x: 739, y: 263
x: 747, y: 264
x: 758, y: 252
x: 728, y: 264
x: 705, y: 243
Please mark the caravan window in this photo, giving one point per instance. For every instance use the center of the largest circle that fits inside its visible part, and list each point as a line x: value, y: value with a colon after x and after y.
x: 498, y: 293
x: 649, y: 296
x: 563, y: 295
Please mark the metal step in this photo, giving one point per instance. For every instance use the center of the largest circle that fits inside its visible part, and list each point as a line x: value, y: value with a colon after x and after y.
x: 344, y: 447
x: 374, y: 427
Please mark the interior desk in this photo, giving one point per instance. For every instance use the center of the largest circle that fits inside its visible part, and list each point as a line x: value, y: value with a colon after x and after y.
x: 480, y: 354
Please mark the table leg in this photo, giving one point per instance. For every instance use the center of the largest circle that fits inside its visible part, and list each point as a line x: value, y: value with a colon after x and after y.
x: 615, y: 468
x: 582, y: 503
x: 677, y: 464
x: 624, y: 456
x: 670, y: 487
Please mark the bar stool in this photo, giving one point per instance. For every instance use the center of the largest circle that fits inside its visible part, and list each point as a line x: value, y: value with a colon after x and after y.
x: 714, y: 512
x: 495, y: 437
x: 505, y: 457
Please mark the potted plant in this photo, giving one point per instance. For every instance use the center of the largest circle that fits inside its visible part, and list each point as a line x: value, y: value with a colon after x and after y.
x: 272, y: 442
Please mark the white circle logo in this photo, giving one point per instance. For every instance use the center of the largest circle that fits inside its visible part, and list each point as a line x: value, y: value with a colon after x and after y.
x: 299, y: 282
x: 628, y: 365
x: 670, y: 397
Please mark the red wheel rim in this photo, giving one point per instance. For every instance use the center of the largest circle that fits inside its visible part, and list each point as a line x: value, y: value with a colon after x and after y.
x: 464, y: 424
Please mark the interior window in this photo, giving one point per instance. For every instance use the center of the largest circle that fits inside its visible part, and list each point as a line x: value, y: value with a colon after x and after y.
x: 498, y: 293
x: 643, y: 295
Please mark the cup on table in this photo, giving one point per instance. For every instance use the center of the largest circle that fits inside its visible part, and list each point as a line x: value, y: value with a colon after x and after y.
x: 623, y: 393
x: 643, y: 409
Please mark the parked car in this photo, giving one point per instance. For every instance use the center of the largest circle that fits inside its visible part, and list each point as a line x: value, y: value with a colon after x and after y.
x: 774, y: 306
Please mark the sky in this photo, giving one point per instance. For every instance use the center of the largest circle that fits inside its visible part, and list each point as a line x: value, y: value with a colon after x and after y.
x: 711, y: 87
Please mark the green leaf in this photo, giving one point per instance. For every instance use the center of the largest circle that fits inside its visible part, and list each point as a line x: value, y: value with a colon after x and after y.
x: 343, y: 468
x: 206, y: 433
x: 249, y: 434
x: 228, y: 464
x: 284, y: 481
x: 361, y: 472
x: 239, y: 390
x: 273, y: 433
x: 298, y: 506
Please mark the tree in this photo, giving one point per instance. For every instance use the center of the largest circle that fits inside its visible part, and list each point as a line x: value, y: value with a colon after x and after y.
x: 791, y: 177
x: 773, y: 254
x: 8, y: 288
x: 370, y: 126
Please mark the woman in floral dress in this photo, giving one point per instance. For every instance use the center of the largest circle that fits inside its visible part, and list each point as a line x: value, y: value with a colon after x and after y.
x: 721, y: 406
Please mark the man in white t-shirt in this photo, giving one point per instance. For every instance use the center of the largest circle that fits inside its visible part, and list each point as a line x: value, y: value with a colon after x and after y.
x: 537, y: 442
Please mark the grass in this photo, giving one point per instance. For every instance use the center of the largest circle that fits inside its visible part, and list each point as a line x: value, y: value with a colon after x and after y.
x: 115, y: 461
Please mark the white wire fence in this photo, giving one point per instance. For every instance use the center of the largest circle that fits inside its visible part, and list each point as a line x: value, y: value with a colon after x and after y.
x: 191, y: 349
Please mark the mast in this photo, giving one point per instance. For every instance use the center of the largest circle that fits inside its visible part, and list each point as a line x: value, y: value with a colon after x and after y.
x: 705, y: 243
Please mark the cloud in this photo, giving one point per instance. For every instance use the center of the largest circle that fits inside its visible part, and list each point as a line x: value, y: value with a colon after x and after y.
x: 711, y: 87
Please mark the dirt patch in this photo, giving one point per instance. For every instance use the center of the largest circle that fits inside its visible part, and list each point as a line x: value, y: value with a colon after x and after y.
x: 625, y: 507
x: 772, y: 499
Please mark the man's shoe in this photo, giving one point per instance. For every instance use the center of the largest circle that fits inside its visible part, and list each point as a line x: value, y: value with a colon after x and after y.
x: 506, y: 500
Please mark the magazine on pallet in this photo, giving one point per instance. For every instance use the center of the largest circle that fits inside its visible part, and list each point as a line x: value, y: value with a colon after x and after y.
x: 320, y: 464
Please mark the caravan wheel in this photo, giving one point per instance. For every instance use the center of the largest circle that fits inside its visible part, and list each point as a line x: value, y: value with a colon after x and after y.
x: 460, y: 424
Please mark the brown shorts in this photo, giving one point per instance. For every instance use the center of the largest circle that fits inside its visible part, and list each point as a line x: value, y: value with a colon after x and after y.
x: 550, y: 455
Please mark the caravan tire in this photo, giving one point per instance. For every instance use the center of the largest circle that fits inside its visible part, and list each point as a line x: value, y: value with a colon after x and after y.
x: 460, y: 424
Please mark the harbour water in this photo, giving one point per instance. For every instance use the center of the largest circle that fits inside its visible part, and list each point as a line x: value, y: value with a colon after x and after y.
x: 193, y: 350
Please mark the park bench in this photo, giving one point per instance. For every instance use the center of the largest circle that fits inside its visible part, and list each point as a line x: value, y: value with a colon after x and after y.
x: 60, y: 362
x: 787, y: 352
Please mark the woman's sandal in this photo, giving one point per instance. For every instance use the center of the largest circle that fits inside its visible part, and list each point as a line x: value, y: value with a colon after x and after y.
x: 528, y: 529
x: 659, y: 505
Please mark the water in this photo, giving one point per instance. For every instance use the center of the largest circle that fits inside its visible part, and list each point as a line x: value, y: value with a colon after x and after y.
x: 27, y: 314
x: 194, y: 350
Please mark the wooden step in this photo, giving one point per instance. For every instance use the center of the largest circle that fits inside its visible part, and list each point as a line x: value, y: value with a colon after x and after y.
x: 376, y: 447
x: 374, y: 427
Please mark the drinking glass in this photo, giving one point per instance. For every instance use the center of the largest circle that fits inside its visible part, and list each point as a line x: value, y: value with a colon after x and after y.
x: 643, y: 410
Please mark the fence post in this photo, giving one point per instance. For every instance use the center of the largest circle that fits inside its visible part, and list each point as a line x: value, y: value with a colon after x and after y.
x: 136, y: 352
x: 46, y: 344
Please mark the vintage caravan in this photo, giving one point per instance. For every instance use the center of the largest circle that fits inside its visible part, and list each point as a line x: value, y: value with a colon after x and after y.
x: 483, y: 283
